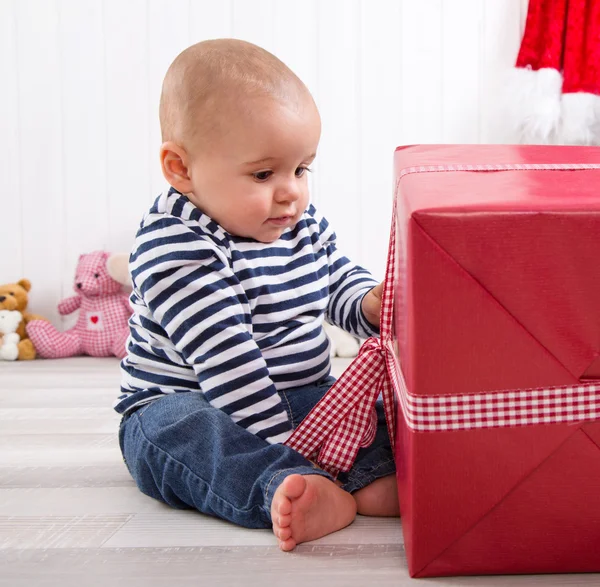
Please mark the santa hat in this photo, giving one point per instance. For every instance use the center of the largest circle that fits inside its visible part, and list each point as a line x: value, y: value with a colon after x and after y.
x: 555, y: 92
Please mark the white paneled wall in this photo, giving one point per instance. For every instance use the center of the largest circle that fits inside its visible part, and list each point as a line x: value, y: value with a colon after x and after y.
x: 79, y: 108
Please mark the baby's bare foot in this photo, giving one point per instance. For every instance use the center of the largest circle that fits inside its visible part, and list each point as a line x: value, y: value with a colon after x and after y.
x: 308, y: 507
x: 379, y: 498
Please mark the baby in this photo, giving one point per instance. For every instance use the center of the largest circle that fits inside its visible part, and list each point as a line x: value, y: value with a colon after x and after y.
x: 233, y: 274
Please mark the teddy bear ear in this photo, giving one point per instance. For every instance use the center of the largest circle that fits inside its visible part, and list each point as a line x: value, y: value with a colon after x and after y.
x: 117, y: 266
x: 25, y: 284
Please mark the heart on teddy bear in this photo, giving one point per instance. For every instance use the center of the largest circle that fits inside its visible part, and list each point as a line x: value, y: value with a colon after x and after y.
x: 95, y: 320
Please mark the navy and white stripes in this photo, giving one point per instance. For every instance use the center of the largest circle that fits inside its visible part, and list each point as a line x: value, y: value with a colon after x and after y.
x: 234, y: 318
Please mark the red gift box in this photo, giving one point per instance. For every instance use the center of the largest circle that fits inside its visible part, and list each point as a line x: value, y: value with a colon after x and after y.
x: 497, y: 334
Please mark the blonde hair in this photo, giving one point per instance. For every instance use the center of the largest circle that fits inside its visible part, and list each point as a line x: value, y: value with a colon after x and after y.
x: 208, y: 78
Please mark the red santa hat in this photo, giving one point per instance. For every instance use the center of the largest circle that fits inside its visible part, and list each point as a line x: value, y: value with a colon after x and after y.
x: 556, y: 97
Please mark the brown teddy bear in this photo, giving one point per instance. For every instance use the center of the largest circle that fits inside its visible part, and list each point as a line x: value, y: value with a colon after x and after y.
x: 14, y: 296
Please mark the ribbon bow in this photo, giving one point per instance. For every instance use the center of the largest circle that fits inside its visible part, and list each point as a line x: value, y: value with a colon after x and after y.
x: 345, y: 419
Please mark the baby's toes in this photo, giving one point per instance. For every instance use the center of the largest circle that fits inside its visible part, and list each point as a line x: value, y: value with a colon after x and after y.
x: 283, y: 533
x: 283, y: 506
x: 283, y: 521
x: 287, y: 545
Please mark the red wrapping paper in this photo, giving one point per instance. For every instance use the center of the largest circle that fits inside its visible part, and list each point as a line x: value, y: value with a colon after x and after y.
x: 498, y: 288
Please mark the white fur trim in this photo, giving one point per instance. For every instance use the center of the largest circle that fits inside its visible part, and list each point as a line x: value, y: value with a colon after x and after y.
x: 533, y: 104
x: 580, y: 119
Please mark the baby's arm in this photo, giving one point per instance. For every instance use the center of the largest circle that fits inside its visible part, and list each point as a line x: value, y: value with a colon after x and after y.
x: 371, y: 304
x: 348, y: 285
x: 202, y: 307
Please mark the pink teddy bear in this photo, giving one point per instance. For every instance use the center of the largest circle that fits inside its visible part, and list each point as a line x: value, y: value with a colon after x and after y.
x: 102, y: 326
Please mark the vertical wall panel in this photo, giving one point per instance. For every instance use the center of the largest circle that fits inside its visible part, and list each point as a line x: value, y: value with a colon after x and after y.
x: 295, y: 43
x: 253, y: 22
x: 338, y: 174
x: 499, y: 42
x: 422, y: 88
x: 11, y: 266
x: 79, y: 108
x: 381, y: 96
x: 462, y: 26
x: 84, y: 132
x: 128, y: 133
x: 295, y: 39
x: 40, y: 151
x: 168, y: 34
x: 523, y: 16
x: 210, y: 19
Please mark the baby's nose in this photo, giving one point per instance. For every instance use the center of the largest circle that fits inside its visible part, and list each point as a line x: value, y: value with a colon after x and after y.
x: 289, y: 192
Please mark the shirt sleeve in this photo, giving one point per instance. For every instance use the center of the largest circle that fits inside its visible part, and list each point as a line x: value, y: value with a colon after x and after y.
x: 190, y: 289
x: 348, y: 285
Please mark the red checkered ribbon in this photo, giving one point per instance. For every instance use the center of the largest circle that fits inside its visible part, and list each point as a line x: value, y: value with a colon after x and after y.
x: 344, y: 420
x: 497, y: 409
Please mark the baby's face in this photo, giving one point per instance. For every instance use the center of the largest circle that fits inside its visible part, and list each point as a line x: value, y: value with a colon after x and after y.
x: 252, y: 177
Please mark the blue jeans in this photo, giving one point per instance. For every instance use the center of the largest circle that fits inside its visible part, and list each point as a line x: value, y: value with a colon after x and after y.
x: 182, y: 451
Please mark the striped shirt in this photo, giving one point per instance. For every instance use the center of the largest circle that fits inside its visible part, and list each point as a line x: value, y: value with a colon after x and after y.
x: 234, y: 318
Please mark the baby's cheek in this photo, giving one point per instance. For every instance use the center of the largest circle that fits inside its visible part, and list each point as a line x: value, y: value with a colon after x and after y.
x: 262, y: 209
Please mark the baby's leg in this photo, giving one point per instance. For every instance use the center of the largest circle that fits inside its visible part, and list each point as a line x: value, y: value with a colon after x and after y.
x: 309, y: 507
x: 372, y: 479
x: 379, y: 498
x: 182, y: 451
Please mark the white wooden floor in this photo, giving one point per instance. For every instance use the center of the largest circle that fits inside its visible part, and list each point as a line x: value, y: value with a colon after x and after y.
x: 70, y: 514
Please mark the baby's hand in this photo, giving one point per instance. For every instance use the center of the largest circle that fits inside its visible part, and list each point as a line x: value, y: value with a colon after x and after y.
x: 371, y: 304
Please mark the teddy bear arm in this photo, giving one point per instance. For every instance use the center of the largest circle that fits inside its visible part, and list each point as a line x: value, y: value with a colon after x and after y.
x: 69, y: 305
x: 29, y: 317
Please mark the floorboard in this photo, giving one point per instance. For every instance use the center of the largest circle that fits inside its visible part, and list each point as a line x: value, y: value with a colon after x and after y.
x: 71, y: 515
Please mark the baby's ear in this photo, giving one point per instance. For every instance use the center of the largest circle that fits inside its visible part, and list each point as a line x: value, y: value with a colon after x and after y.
x: 174, y: 162
x: 117, y: 266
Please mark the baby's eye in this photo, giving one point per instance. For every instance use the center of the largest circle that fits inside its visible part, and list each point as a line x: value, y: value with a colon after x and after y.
x: 300, y: 171
x: 262, y: 175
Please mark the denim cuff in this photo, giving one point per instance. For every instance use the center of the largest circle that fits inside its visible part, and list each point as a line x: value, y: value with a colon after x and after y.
x: 359, y: 478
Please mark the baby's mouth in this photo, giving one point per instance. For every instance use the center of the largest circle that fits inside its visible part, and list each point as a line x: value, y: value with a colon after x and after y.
x: 280, y: 220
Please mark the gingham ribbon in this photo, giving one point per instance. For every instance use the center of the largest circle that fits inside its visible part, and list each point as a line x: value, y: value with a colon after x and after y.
x: 344, y: 420
x: 497, y: 409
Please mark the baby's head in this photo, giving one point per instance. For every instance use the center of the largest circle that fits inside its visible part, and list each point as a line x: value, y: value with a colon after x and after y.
x: 239, y: 131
